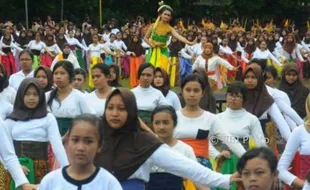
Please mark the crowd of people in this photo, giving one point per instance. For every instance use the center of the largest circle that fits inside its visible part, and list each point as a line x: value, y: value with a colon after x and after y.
x: 66, y: 121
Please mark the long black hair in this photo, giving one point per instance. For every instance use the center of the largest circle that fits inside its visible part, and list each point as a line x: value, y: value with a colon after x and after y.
x: 67, y: 65
x: 4, y: 79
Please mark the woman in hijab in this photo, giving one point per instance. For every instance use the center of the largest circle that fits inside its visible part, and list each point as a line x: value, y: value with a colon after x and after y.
x: 45, y: 77
x: 295, y: 89
x: 129, y: 153
x: 260, y: 103
x: 161, y: 82
x: 61, y: 40
x: 32, y: 127
x: 135, y: 50
x: 66, y: 55
x: 114, y: 75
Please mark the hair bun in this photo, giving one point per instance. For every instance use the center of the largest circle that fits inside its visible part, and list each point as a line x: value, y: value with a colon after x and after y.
x: 160, y: 3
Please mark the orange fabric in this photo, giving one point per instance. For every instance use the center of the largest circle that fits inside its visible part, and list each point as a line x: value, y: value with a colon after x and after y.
x: 60, y: 57
x: 134, y: 63
x: 201, y: 147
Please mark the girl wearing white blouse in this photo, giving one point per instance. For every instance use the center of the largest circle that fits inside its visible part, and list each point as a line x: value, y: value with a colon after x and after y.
x: 7, y: 93
x: 10, y: 160
x: 240, y: 124
x: 37, y: 47
x: 129, y: 154
x: 54, y: 50
x: 281, y: 98
x: 64, y: 102
x: 211, y: 62
x: 199, y: 128
x: 148, y: 98
x: 73, y: 42
x: 164, y: 119
x: 94, y: 51
x: 290, y: 50
x: 96, y: 99
x: 161, y: 82
x: 32, y: 127
x: 263, y: 53
x: 298, y: 141
x: 84, y: 142
x: 26, y: 59
x: 66, y: 54
x: 7, y: 47
x: 260, y: 103
x: 76, y: 47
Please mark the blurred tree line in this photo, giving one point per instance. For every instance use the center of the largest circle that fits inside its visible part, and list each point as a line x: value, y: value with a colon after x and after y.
x: 124, y: 10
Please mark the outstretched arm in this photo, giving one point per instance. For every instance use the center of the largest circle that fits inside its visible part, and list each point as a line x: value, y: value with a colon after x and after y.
x: 181, y: 38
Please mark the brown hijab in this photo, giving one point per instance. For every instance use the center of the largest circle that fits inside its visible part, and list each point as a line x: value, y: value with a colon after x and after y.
x: 290, y: 46
x: 21, y: 111
x: 297, y: 92
x: 258, y: 99
x: 49, y: 75
x: 127, y: 148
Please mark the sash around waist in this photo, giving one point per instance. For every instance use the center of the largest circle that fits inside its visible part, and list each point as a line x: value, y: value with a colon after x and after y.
x: 200, y: 146
x: 36, y: 52
x: 164, y: 180
x: 133, y: 184
x: 31, y: 149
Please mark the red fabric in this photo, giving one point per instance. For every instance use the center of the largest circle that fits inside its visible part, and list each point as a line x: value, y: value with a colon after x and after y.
x: 51, y: 157
x: 231, y: 75
x: 295, y: 168
x: 304, y: 165
x: 125, y: 62
x: 9, y: 63
x: 46, y: 60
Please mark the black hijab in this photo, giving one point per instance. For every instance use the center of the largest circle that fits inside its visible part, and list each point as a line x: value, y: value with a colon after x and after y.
x: 60, y: 42
x: 21, y: 112
x: 136, y: 47
x: 22, y: 41
x: 115, y: 82
x: 297, y: 92
x: 49, y: 75
x: 166, y: 85
x: 127, y: 148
